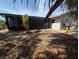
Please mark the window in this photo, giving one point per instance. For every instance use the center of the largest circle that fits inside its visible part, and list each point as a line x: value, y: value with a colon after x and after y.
x: 52, y: 21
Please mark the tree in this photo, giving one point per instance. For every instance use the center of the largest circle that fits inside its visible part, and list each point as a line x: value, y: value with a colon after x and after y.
x: 71, y: 5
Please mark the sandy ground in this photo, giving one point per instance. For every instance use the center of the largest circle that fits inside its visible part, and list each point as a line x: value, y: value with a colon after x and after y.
x: 41, y: 44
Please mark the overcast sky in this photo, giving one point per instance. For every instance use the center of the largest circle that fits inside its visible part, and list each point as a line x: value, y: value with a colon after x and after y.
x: 6, y: 6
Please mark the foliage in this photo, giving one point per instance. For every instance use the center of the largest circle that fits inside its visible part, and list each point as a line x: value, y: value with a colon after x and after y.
x: 2, y: 24
x: 25, y: 21
x: 2, y: 21
x: 71, y: 5
x: 37, y: 2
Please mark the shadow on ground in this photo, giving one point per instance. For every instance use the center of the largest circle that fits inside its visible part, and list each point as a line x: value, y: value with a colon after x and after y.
x: 36, y: 45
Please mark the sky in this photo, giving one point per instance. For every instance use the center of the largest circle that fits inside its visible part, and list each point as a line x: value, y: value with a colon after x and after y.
x: 6, y: 6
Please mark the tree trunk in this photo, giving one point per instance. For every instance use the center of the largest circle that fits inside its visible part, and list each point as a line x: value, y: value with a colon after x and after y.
x: 57, y: 3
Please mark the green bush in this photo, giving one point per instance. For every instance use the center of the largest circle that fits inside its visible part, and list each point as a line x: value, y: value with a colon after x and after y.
x: 25, y: 20
x: 2, y: 25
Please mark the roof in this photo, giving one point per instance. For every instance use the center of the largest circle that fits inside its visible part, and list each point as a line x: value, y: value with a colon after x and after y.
x: 15, y: 15
x: 6, y: 14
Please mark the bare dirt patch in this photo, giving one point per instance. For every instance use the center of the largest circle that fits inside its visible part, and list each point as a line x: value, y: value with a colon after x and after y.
x: 43, y: 44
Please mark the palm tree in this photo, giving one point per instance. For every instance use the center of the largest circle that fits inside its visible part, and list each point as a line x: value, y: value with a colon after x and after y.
x: 71, y: 5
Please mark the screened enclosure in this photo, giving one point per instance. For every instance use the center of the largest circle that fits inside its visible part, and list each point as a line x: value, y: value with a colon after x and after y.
x: 24, y: 22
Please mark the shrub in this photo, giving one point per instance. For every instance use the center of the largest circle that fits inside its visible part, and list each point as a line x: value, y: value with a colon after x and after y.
x: 25, y: 20
x: 2, y: 25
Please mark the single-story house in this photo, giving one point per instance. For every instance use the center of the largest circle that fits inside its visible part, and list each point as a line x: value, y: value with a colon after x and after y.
x: 16, y: 22
x: 63, y: 21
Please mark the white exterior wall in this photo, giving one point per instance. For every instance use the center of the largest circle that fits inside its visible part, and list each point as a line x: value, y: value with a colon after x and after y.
x: 57, y: 24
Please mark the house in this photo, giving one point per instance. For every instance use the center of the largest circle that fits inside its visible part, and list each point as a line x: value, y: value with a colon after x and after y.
x: 63, y: 21
x: 23, y: 22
